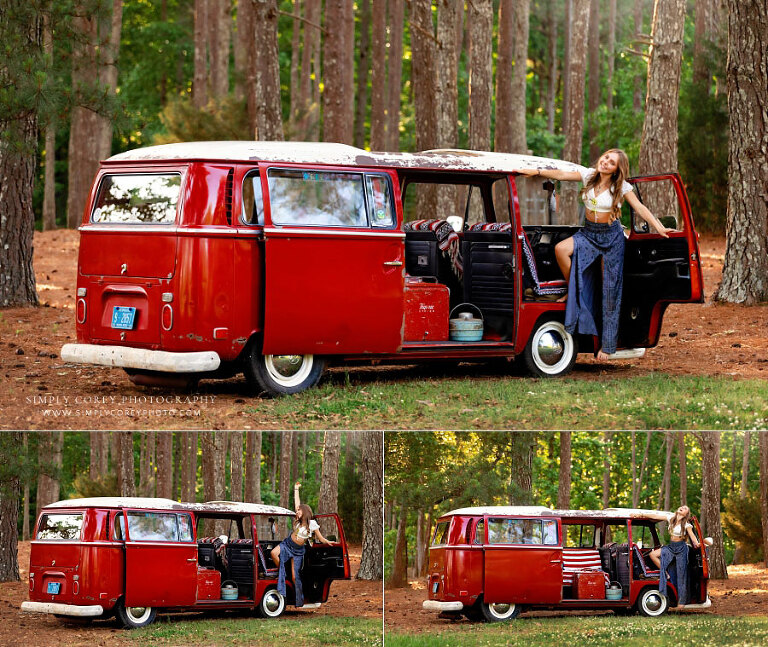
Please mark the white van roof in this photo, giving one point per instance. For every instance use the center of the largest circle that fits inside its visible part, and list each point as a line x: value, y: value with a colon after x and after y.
x: 541, y: 511
x: 342, y: 155
x: 168, y: 504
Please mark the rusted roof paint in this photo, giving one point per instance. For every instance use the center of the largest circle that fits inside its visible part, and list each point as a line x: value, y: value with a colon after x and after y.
x: 540, y: 511
x: 342, y: 155
x: 144, y: 503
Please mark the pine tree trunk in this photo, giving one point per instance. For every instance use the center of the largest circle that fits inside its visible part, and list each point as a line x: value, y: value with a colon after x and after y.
x: 480, y: 73
x: 49, y: 190
x: 523, y: 449
x: 419, y: 542
x: 165, y: 464
x: 253, y: 466
x: 329, y: 483
x: 25, y: 511
x: 236, y: 465
x: 310, y: 72
x: 574, y: 108
x: 295, y: 457
x: 363, y: 65
x: 509, y: 135
x: 395, y: 67
x: 683, y: 468
x: 658, y: 146
x: 703, y: 17
x: 286, y: 447
x: 399, y: 576
x: 124, y: 467
x: 336, y: 125
x: 745, y: 271
x: 666, y: 482
x: 710, y: 501
x: 643, y: 465
x: 11, y: 444
x: 49, y: 465
x: 373, y: 507
x: 552, y: 63
x: 593, y: 90
x: 745, y: 465
x: 763, y: 445
x: 94, y: 463
x: 637, y: 97
x: 177, y: 452
x: 244, y: 46
x: 295, y: 81
x: 110, y: 30
x: 610, y: 53
x: 379, y: 94
x: 567, y: 37
x: 266, y: 92
x: 564, y: 482
x: 214, y: 453
x: 200, y: 78
x: 634, y: 470
x: 275, y: 435
x: 607, y: 468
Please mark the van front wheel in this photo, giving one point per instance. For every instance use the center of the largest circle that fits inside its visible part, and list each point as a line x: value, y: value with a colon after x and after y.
x: 134, y: 617
x: 272, y: 604
x: 283, y: 374
x: 652, y: 603
x: 498, y: 612
x: 551, y: 350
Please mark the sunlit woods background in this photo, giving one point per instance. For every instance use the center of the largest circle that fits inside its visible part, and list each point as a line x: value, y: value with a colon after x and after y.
x: 154, y: 99
x: 430, y: 473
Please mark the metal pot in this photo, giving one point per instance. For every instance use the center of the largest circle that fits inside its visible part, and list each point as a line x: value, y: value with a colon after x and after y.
x: 229, y: 590
x: 466, y: 327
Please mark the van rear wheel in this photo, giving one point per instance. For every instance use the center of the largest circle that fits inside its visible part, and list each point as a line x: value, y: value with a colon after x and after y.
x: 135, y: 617
x: 498, y: 612
x: 272, y: 604
x: 283, y: 374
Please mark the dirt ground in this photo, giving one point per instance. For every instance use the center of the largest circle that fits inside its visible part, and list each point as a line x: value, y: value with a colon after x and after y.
x: 36, y: 387
x: 348, y: 598
x: 744, y: 593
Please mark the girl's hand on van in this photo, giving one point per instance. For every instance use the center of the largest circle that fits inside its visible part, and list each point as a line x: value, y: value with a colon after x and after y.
x: 664, y: 231
x: 297, y: 485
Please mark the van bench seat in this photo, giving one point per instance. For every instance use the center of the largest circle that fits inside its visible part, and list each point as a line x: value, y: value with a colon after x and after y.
x: 581, y: 559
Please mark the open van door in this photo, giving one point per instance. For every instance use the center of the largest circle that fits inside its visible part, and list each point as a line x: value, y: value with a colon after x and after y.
x: 325, y: 563
x: 160, y: 558
x: 657, y: 270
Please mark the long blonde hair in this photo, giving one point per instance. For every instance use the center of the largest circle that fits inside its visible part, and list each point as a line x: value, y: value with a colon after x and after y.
x: 681, y: 519
x: 618, y: 177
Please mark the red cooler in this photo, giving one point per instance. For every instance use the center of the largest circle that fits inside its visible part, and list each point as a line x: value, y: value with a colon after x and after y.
x: 426, y: 310
x: 590, y: 585
x: 208, y: 584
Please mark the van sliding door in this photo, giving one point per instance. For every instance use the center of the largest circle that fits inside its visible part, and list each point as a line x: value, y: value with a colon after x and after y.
x: 334, y: 263
x: 324, y: 563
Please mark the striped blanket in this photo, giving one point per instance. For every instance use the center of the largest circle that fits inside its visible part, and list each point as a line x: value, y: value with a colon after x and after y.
x: 581, y: 559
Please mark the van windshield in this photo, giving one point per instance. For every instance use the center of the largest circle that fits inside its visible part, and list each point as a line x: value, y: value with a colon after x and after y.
x: 60, y: 526
x: 137, y: 198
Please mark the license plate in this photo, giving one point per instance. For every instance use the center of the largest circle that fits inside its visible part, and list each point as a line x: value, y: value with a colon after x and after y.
x: 54, y: 588
x: 123, y: 317
x: 435, y: 586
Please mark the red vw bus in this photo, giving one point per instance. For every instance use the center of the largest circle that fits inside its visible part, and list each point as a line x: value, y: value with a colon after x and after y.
x: 130, y: 557
x: 491, y: 563
x: 275, y: 258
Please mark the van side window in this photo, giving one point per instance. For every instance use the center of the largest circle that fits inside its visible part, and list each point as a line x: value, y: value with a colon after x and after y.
x: 479, y: 532
x: 522, y: 531
x: 661, y: 198
x: 137, y: 198
x: 159, y: 526
x: 61, y: 527
x: 318, y: 198
x: 440, y: 537
x: 119, y: 531
x: 580, y: 536
x: 380, y: 204
x: 253, y: 201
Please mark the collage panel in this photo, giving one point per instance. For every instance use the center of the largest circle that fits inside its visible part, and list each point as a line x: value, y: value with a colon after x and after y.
x: 204, y: 538
x: 598, y: 538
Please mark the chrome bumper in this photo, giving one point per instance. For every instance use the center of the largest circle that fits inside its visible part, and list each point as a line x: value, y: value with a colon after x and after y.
x: 436, y: 605
x: 141, y: 358
x: 63, y: 609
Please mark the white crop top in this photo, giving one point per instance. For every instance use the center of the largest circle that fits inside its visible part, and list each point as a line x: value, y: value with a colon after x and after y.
x: 677, y: 531
x: 604, y: 201
x: 302, y: 532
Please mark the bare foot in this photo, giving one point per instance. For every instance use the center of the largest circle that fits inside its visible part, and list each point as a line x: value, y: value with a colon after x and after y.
x: 562, y: 299
x: 603, y: 356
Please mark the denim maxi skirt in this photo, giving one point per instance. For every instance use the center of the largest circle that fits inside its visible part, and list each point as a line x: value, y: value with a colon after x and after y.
x: 289, y: 549
x: 593, y: 242
x: 676, y: 551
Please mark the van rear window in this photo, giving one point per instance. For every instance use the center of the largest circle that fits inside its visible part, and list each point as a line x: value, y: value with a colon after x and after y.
x: 441, y: 534
x: 60, y: 527
x: 137, y: 198
x: 522, y: 531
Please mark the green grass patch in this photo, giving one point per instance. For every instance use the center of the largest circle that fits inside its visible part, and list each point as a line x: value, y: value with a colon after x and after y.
x: 309, y: 630
x: 480, y: 398
x: 670, y: 631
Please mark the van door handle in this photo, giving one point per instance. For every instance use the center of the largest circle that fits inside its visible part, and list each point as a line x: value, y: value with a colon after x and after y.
x: 555, y: 561
x: 192, y: 559
x: 393, y: 263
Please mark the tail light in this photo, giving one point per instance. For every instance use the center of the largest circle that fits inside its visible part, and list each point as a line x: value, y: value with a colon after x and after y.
x: 166, y: 318
x: 31, y: 582
x: 82, y: 310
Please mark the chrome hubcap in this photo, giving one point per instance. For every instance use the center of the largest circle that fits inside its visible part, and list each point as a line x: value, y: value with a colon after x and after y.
x: 550, y: 348
x: 288, y: 370
x: 138, y: 614
x: 654, y: 602
x: 501, y: 610
x: 272, y: 602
